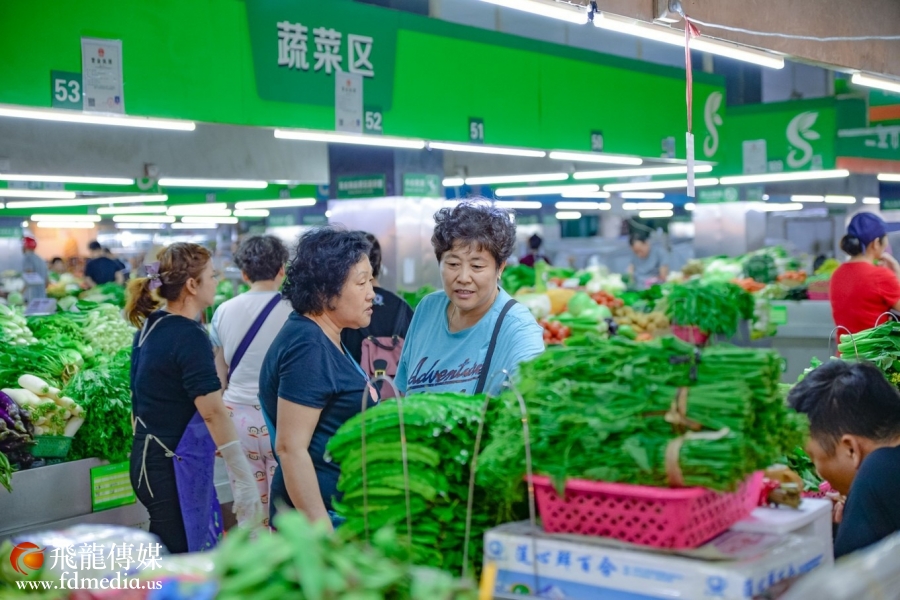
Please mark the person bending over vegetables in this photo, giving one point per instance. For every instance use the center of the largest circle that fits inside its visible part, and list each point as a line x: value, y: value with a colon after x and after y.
x: 309, y: 384
x: 242, y: 331
x: 854, y: 416
x: 464, y: 337
x: 179, y: 418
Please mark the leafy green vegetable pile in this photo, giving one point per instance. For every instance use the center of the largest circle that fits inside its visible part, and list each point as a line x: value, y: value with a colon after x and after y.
x: 106, y: 293
x: 106, y: 330
x: 305, y: 562
x: 609, y: 410
x: 715, y: 307
x: 879, y: 346
x: 413, y: 298
x: 440, y: 431
x: 14, y: 328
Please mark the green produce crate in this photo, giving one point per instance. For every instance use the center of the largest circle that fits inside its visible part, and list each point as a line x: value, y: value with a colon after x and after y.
x: 51, y: 446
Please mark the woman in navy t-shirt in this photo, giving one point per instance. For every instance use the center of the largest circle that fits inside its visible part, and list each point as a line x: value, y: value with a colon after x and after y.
x: 309, y: 384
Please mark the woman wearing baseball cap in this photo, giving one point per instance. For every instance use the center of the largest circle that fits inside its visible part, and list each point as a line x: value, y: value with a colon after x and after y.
x: 867, y: 285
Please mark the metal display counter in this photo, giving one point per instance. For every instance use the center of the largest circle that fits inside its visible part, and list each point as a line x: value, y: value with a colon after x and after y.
x: 805, y: 335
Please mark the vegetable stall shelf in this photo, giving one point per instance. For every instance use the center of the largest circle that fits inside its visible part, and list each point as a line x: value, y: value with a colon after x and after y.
x: 58, y: 496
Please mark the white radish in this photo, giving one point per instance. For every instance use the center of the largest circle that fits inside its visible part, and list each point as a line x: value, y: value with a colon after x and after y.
x: 24, y: 398
x: 38, y: 430
x: 73, y: 426
x: 53, y: 393
x: 35, y: 385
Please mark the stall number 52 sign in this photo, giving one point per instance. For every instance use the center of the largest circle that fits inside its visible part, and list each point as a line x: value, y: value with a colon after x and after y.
x: 65, y: 90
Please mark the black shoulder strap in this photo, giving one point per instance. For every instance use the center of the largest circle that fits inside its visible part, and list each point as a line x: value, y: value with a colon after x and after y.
x: 486, y: 367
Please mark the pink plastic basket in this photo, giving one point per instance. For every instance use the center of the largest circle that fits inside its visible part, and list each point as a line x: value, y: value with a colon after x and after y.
x: 651, y: 516
x: 817, y: 295
x: 690, y: 334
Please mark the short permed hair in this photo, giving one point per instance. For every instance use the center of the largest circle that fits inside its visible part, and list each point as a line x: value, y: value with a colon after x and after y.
x: 486, y: 227
x: 261, y: 257
x: 320, y: 267
x: 374, y: 254
x: 847, y: 398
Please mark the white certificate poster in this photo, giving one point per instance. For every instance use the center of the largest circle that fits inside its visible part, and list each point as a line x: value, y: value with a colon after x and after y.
x: 348, y: 102
x: 101, y: 69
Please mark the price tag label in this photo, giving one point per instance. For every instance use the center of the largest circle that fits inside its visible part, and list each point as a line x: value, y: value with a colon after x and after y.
x: 778, y: 315
x: 111, y: 486
x: 65, y: 90
x: 476, y: 130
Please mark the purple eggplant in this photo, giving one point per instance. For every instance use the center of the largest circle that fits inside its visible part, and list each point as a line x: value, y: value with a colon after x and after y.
x: 10, y: 412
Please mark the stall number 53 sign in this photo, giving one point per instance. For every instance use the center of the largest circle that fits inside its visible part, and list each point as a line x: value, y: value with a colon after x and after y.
x: 65, y: 90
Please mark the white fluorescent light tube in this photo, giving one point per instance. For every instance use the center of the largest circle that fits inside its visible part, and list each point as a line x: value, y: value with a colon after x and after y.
x: 655, y: 214
x: 453, y: 182
x: 676, y: 38
x: 482, y: 149
x: 659, y: 185
x: 891, y: 85
x: 385, y: 141
x: 689, y: 206
x: 564, y: 215
x: 194, y: 226
x: 839, y: 200
x: 889, y: 177
x: 143, y: 219
x: 642, y: 195
x: 648, y: 206
x: 548, y: 190
x: 139, y: 226
x: 596, y: 157
x: 250, y: 212
x: 777, y: 177
x: 71, y: 116
x: 68, y: 179
x: 547, y: 8
x: 13, y: 193
x: 779, y: 207
x: 88, y: 201
x: 216, y: 220
x: 871, y: 200
x: 587, y: 195
x: 65, y: 224
x: 249, y: 184
x: 535, y: 178
x: 583, y: 206
x: 802, y: 198
x: 131, y: 210
x: 84, y: 218
x: 286, y: 203
x: 198, y: 209
x: 523, y: 204
x: 616, y: 173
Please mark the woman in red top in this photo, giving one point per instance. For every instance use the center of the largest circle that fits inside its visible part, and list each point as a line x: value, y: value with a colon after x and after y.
x: 868, y: 285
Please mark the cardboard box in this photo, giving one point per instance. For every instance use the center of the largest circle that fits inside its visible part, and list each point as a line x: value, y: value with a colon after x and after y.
x: 564, y: 567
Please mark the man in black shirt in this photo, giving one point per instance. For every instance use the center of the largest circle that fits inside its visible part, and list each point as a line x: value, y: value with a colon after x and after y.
x: 854, y: 416
x: 101, y: 269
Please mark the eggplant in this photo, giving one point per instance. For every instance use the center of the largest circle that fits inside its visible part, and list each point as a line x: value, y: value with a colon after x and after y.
x: 9, y: 410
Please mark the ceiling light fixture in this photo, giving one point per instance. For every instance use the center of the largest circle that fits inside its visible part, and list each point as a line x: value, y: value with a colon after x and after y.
x: 655, y: 214
x: 88, y: 201
x: 889, y: 177
x: 547, y: 190
x: 84, y: 218
x: 779, y: 207
x: 199, y: 209
x: 546, y: 8
x: 500, y: 179
x: 65, y: 224
x: 596, y: 157
x: 804, y: 198
x: 521, y: 204
x: 642, y: 195
x: 143, y: 219
x: 453, y: 182
x: 140, y: 226
x: 194, y: 226
x: 484, y: 149
x: 779, y: 177
x: 565, y: 215
x: 882, y: 83
x: 131, y: 210
x: 659, y: 185
x: 16, y: 193
x: 647, y: 171
x: 68, y: 179
x: 384, y: 141
x: 249, y: 184
x: 583, y: 206
x: 71, y: 116
x: 676, y: 38
x: 285, y: 203
x: 871, y: 200
x: 840, y: 199
x: 587, y: 195
x: 216, y: 220
x: 689, y: 206
x: 648, y: 206
x: 251, y: 213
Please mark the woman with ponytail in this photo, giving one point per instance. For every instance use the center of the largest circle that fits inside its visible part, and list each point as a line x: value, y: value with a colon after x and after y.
x: 180, y: 421
x: 867, y: 285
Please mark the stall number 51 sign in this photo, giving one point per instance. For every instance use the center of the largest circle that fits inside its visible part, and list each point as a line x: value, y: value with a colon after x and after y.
x: 65, y: 90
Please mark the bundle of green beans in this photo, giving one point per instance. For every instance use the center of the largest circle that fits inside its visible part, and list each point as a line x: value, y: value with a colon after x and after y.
x: 440, y: 432
x: 609, y: 411
x: 305, y: 562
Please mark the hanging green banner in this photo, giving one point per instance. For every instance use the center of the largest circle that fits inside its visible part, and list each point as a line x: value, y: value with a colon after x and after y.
x: 361, y: 186
x: 421, y: 185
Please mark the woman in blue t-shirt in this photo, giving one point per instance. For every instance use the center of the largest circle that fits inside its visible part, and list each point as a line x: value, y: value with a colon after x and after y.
x: 449, y: 342
x: 309, y: 384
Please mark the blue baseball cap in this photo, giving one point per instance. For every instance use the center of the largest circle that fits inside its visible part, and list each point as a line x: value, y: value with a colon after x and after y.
x: 868, y: 227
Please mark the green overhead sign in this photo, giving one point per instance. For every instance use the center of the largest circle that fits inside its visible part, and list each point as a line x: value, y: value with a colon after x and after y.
x: 422, y: 185
x: 361, y: 186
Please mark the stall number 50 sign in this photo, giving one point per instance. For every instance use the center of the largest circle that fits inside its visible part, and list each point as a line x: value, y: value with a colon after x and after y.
x: 65, y: 90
